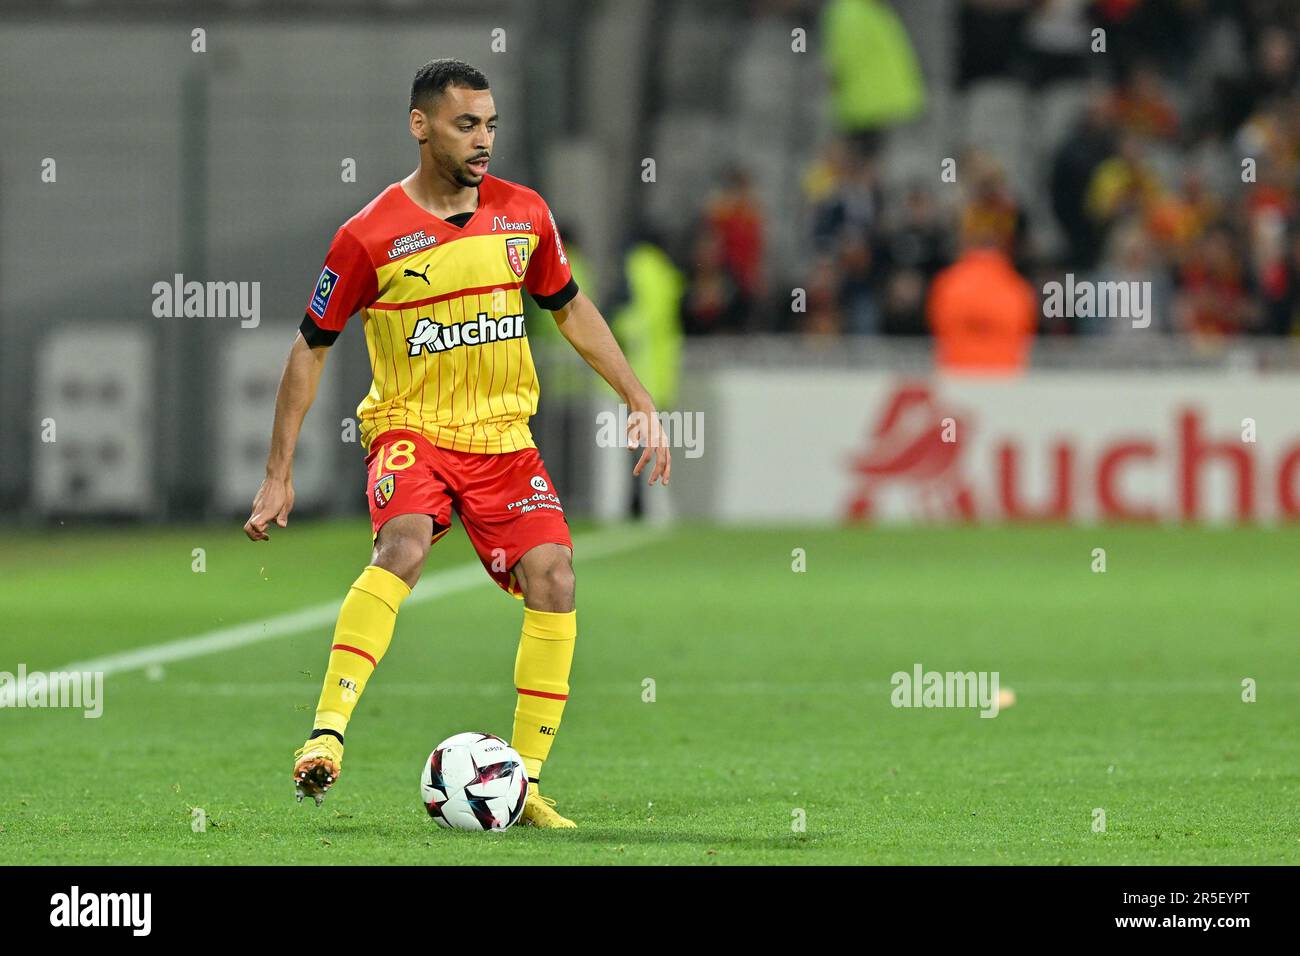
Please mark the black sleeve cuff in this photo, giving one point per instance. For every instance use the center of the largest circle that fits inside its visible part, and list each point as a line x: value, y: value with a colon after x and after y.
x: 315, y: 336
x: 557, y: 300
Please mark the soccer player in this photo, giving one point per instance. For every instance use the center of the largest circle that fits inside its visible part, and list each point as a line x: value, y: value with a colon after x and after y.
x: 437, y: 264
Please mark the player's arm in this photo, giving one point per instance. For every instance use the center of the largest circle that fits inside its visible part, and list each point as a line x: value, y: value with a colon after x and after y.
x: 582, y: 324
x: 346, y: 284
x: 297, y: 390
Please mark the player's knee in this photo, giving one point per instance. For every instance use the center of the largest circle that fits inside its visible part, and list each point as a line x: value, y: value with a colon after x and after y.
x: 563, y: 580
x: 554, y: 586
x: 403, y: 555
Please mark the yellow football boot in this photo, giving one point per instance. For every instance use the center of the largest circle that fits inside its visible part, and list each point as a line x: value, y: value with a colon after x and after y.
x: 539, y: 811
x: 316, y: 766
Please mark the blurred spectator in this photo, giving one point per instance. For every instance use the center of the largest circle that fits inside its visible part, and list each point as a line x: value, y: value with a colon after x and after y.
x: 919, y: 239
x: 1269, y: 214
x: 1176, y: 220
x: 875, y: 81
x: 736, y: 221
x: 1143, y: 107
x: 911, y: 253
x: 992, y: 212
x: 1124, y: 185
x: 1284, y: 315
x: 982, y: 311
x: 648, y: 326
x: 823, y: 316
x: 1271, y: 136
x: 1130, y: 257
x: 845, y: 197
x: 846, y: 203
x: 713, y: 301
x: 857, y: 286
x: 1089, y: 145
x: 903, y: 303
x: 1213, y: 297
x: 1270, y: 268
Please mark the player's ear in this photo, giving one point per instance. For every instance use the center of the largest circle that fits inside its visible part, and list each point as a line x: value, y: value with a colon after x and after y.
x: 419, y: 125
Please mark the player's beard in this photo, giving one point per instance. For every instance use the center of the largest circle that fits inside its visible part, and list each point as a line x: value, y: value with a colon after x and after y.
x: 461, y: 172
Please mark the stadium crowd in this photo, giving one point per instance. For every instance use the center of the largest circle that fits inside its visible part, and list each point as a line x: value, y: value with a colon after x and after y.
x: 1179, y: 167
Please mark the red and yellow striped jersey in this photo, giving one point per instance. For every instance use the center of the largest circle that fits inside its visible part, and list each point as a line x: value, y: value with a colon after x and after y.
x: 443, y: 312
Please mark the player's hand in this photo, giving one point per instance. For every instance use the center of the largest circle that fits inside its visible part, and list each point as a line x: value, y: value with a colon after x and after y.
x: 274, y: 501
x: 644, y: 431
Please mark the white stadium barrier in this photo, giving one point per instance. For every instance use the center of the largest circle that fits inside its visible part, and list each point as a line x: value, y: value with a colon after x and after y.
x: 94, y: 413
x: 819, y: 445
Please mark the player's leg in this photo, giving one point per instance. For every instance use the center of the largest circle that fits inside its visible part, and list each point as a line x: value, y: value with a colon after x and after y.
x: 550, y: 630
x: 369, y: 613
x: 362, y: 633
x: 409, y: 510
x: 545, y: 576
x: 516, y: 523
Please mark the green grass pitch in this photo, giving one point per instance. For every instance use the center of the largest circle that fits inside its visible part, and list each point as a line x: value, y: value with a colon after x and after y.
x: 772, y: 696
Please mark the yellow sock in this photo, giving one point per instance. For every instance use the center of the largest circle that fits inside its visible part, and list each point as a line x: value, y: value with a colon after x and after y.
x: 542, y: 680
x: 361, y: 636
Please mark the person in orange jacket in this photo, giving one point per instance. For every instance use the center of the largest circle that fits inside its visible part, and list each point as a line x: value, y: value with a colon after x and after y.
x: 982, y: 312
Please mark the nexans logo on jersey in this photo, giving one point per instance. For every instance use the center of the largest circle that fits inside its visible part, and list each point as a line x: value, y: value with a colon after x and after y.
x: 442, y: 307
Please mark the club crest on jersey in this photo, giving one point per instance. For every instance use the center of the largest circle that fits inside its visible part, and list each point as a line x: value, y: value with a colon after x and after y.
x: 325, y: 285
x: 384, y: 490
x: 517, y: 254
x: 480, y: 330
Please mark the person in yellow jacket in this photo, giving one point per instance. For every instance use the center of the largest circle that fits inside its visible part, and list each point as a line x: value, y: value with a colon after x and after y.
x: 566, y: 375
x: 875, y: 80
x: 648, y: 326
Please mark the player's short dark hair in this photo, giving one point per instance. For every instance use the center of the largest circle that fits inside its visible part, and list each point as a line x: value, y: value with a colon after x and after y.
x: 436, y: 75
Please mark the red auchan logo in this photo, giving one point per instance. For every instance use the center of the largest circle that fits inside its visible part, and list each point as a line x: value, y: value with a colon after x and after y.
x: 906, y: 449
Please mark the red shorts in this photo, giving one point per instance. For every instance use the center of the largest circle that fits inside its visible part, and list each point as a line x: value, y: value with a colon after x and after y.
x: 506, y: 502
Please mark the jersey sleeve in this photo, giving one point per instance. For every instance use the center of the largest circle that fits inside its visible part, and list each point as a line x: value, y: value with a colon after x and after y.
x: 548, y: 279
x: 346, y: 283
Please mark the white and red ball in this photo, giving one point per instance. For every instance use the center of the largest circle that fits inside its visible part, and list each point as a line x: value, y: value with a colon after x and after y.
x: 474, y: 781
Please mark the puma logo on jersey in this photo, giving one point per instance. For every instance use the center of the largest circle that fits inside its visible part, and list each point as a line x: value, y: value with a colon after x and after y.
x: 480, y: 330
x: 417, y: 275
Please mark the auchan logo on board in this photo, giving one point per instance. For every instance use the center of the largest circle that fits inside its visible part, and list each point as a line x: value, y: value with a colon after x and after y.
x: 906, y: 449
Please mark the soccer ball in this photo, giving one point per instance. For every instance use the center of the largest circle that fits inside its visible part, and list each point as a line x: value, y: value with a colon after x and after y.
x: 474, y: 782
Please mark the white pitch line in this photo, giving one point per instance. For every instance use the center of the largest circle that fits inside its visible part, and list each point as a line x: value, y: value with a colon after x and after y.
x: 437, y: 585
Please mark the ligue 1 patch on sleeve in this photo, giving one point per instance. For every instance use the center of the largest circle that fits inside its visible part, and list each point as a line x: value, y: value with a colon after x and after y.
x: 320, y: 299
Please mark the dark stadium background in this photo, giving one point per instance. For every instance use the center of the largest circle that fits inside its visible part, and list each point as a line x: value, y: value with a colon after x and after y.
x: 226, y: 166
